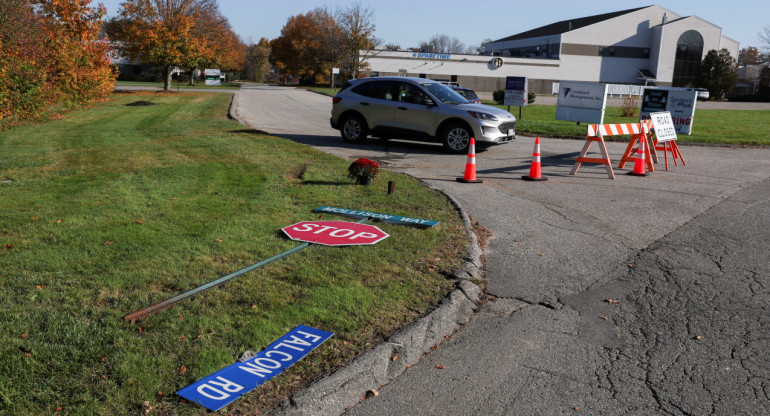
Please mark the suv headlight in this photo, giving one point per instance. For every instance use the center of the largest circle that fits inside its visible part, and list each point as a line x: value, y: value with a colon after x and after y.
x: 482, y: 116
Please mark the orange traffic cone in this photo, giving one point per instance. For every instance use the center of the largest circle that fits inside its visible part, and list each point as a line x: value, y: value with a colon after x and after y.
x: 534, y: 170
x: 470, y: 165
x: 641, y: 159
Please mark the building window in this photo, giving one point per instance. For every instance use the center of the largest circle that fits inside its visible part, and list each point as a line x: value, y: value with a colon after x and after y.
x: 689, y: 50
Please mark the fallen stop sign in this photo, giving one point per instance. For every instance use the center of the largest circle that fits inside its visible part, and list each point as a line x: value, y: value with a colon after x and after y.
x: 335, y: 233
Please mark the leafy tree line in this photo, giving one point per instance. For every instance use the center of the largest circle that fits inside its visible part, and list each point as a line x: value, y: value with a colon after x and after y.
x: 311, y: 44
x: 190, y: 34
x: 51, y: 54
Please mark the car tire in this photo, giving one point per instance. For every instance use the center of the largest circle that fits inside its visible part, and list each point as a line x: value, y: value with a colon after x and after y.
x: 353, y: 129
x: 456, y: 138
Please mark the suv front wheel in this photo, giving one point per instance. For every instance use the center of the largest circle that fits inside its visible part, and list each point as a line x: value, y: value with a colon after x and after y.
x: 353, y: 129
x: 456, y: 138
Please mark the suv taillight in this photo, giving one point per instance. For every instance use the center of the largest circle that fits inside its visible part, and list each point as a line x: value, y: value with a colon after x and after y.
x: 335, y: 100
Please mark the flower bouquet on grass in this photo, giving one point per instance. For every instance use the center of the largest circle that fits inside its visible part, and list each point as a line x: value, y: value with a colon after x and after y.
x: 363, y: 171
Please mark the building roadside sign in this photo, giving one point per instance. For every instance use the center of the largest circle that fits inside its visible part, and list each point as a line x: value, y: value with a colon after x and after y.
x: 680, y: 103
x: 581, y: 102
x: 516, y: 91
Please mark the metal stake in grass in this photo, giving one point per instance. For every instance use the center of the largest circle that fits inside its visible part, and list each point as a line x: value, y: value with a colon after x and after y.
x: 168, y: 303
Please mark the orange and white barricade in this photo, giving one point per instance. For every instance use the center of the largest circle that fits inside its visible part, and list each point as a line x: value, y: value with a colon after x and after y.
x: 597, y: 133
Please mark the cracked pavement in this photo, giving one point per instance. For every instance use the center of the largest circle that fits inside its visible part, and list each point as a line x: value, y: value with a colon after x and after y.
x: 632, y: 296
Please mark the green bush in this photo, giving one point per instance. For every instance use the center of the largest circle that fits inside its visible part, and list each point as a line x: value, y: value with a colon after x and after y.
x: 499, y: 96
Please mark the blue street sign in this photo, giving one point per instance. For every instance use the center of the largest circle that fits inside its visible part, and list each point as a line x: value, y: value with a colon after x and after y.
x: 393, y: 219
x: 228, y: 384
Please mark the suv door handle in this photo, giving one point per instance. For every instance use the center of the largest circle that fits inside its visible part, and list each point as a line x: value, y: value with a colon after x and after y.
x: 402, y: 108
x: 364, y: 103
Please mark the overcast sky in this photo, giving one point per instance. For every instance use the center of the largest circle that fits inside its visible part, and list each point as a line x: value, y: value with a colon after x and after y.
x: 406, y: 23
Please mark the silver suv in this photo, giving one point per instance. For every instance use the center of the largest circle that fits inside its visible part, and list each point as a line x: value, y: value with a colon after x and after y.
x: 417, y: 109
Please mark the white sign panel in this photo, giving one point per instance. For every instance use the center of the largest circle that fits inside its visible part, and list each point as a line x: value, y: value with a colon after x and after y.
x: 581, y: 102
x: 680, y: 103
x: 664, y: 126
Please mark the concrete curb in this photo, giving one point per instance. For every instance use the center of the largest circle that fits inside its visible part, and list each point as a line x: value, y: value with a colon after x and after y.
x: 345, y: 387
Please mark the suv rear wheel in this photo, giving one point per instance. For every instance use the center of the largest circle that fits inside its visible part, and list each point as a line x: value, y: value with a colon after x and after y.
x: 353, y: 129
x: 456, y: 138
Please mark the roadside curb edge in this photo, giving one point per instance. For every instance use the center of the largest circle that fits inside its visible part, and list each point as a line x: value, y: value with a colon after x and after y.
x: 346, y: 386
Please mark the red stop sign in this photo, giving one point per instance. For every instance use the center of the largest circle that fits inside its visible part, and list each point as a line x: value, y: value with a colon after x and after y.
x: 335, y: 233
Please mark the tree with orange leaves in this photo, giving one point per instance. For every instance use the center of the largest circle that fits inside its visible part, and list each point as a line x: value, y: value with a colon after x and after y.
x: 171, y: 33
x: 50, y: 52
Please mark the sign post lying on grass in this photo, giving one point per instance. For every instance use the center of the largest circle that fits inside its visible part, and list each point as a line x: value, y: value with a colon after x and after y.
x: 228, y: 384
x: 336, y: 233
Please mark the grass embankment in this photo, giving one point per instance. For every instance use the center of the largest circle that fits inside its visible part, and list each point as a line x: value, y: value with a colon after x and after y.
x: 117, y: 207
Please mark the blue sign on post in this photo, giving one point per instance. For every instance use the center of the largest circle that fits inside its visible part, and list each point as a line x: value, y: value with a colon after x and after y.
x: 516, y: 91
x: 228, y: 384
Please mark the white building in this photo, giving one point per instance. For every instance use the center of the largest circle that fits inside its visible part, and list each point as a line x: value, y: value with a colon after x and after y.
x: 643, y: 46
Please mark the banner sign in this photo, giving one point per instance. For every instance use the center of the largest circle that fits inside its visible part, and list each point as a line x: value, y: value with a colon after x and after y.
x: 228, y: 384
x: 664, y: 126
x: 392, y: 219
x: 516, y: 91
x: 581, y: 102
x: 679, y: 103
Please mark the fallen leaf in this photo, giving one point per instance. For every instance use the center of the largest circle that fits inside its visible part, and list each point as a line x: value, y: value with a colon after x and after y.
x: 139, y: 222
x: 219, y: 240
x: 253, y: 306
x: 22, y: 349
x: 182, y: 370
x: 108, y: 243
x: 58, y: 409
x: 440, y: 367
x: 34, y: 218
x: 24, y: 336
x: 40, y: 286
x: 58, y: 221
x: 612, y: 301
x: 9, y: 246
x: 182, y: 338
x: 699, y: 337
x: 394, y: 358
x: 603, y: 317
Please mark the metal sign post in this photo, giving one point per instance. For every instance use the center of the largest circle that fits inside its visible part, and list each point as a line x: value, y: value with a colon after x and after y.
x: 337, y: 233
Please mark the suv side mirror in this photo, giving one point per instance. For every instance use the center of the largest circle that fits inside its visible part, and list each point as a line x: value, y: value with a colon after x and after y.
x: 427, y: 101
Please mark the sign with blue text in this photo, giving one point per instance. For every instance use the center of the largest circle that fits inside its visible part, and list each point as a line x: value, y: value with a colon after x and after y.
x: 392, y: 219
x: 581, y: 102
x: 228, y: 384
x: 515, y: 91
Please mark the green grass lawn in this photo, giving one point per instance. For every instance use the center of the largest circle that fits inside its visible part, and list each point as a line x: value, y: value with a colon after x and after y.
x: 732, y: 127
x: 116, y: 207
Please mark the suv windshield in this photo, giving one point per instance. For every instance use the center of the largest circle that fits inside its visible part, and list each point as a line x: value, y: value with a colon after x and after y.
x: 444, y: 93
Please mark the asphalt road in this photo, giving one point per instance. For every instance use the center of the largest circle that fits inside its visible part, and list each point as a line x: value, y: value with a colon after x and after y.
x: 633, y: 296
